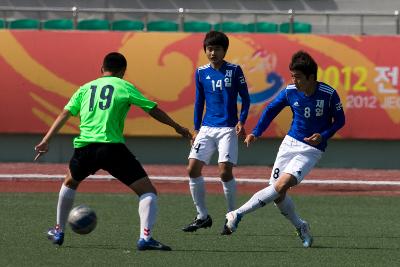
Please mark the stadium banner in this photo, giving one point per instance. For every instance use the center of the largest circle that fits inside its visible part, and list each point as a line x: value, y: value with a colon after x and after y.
x: 40, y: 70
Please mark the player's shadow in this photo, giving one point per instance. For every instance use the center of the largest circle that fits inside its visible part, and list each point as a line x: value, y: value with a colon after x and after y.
x: 358, y: 236
x: 230, y: 251
x: 317, y: 245
x: 354, y: 248
x: 275, y: 249
x: 376, y: 237
x: 96, y: 246
x: 132, y: 250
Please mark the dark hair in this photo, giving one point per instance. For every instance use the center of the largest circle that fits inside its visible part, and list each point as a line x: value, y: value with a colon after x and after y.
x: 216, y: 38
x: 114, y: 62
x: 302, y: 61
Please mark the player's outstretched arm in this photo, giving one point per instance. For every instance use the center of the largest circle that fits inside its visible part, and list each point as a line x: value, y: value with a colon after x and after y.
x: 163, y: 117
x: 250, y: 139
x: 43, y: 146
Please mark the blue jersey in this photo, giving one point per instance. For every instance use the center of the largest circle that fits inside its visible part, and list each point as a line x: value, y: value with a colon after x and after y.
x: 320, y: 113
x: 219, y: 90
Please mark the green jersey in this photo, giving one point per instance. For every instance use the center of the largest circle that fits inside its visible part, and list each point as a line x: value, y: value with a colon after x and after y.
x: 103, y: 105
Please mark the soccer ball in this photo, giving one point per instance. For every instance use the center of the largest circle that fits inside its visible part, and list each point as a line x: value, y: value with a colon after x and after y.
x: 82, y: 219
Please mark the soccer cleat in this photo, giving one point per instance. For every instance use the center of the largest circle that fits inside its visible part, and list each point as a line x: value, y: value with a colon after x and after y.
x: 197, y: 224
x: 232, y: 221
x: 56, y: 235
x: 304, y: 233
x: 225, y: 229
x: 151, y: 244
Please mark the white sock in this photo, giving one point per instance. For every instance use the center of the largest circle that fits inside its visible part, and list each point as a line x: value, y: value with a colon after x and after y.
x: 198, y: 191
x: 230, y: 193
x: 259, y: 199
x: 287, y: 209
x: 65, y: 201
x: 147, y: 213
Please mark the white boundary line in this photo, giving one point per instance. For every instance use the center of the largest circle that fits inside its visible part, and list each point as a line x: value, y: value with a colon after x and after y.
x: 208, y: 179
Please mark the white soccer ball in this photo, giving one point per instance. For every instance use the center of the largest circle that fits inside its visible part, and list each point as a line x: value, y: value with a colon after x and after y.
x: 82, y: 219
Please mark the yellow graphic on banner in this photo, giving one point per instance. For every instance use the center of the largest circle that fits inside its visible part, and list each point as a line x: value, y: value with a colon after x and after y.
x: 162, y: 66
x: 54, y: 111
x: 350, y: 58
x: 162, y: 76
x: 20, y: 60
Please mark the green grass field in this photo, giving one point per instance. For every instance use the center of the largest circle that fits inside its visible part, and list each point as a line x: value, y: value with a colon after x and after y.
x: 348, y: 231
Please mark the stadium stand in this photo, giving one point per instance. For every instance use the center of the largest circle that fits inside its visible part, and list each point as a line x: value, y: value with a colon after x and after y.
x: 94, y: 25
x: 28, y: 24
x: 328, y: 16
x: 162, y: 26
x: 58, y: 24
x: 263, y: 27
x: 230, y: 26
x: 296, y: 27
x: 197, y: 26
x: 127, y: 25
x: 2, y: 24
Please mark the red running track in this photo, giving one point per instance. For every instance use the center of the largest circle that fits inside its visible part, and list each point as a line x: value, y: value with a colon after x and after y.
x: 256, y: 172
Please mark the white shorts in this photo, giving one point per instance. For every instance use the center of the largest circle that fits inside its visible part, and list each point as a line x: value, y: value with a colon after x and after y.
x: 210, y: 139
x: 296, y: 158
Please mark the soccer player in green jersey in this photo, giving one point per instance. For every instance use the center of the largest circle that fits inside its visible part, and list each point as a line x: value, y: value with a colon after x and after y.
x: 103, y: 105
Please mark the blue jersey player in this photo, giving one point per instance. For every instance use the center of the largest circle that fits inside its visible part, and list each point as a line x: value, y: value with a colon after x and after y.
x: 218, y: 85
x: 317, y: 116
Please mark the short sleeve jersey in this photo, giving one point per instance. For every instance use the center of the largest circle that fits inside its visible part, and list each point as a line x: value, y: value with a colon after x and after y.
x: 103, y: 105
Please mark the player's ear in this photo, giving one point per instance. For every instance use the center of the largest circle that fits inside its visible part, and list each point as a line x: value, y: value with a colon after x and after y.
x: 102, y: 70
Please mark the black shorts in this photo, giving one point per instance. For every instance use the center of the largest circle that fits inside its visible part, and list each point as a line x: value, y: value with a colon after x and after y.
x: 111, y: 157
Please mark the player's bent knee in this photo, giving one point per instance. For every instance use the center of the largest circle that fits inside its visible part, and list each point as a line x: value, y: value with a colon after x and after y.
x: 193, y: 172
x: 225, y: 171
x: 194, y: 168
x: 71, y: 183
x: 226, y: 176
x: 284, y: 182
x: 281, y: 188
x: 143, y: 186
